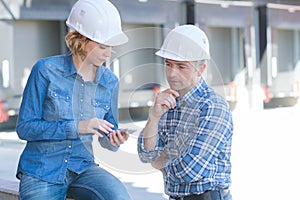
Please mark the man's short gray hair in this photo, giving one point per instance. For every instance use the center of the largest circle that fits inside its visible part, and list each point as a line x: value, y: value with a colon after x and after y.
x: 201, y: 62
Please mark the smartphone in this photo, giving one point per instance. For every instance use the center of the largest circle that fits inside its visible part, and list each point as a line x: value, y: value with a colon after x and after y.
x: 130, y: 131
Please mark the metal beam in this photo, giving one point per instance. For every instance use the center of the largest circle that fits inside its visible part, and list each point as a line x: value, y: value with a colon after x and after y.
x: 8, y: 10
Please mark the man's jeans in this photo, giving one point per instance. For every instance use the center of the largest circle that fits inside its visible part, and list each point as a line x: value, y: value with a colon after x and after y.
x: 93, y: 184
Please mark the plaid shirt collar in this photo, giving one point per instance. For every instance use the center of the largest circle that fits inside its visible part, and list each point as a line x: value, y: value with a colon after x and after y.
x: 193, y: 95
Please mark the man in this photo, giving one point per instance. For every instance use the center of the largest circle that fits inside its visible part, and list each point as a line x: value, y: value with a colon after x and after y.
x: 189, y: 129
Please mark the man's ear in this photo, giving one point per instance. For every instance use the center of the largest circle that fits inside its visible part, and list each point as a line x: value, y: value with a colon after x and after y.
x: 201, y: 69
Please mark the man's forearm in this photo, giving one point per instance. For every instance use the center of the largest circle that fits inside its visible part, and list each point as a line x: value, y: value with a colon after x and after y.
x: 160, y: 162
x: 150, y: 133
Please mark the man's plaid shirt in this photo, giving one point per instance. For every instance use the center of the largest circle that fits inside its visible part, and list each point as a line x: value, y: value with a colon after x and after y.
x: 196, y: 137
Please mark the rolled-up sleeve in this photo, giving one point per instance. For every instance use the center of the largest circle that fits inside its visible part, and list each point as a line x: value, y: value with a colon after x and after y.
x: 147, y: 156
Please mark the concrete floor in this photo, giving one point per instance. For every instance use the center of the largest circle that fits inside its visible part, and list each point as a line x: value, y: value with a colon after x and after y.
x: 265, y: 158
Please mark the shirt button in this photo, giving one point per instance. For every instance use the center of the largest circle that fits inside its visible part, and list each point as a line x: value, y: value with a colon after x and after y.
x: 66, y: 161
x: 70, y: 146
x: 81, y: 100
x: 81, y: 115
x: 82, y: 84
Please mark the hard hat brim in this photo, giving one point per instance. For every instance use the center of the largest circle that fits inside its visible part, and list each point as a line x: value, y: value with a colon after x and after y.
x: 168, y: 55
x: 116, y: 40
x: 173, y: 56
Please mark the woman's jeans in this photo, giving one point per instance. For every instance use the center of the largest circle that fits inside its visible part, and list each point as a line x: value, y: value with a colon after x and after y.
x: 93, y: 184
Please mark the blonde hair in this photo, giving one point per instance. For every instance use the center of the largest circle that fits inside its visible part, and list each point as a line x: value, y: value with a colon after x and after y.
x: 76, y: 43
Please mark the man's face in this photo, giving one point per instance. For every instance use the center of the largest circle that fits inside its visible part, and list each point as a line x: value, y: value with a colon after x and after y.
x: 182, y: 75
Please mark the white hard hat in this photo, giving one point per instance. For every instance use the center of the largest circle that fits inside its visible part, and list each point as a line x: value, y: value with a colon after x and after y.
x: 98, y: 20
x: 185, y: 43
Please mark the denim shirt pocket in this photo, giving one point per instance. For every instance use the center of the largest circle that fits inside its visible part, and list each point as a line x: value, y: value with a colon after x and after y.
x: 101, y: 108
x: 59, y: 104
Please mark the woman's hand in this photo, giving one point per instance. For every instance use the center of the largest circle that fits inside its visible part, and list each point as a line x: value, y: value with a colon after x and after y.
x: 117, y: 137
x: 95, y: 126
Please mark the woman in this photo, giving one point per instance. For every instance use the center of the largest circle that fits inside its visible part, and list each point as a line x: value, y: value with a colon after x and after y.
x: 67, y: 100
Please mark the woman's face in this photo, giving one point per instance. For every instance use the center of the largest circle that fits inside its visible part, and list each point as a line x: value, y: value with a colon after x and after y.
x: 97, y: 53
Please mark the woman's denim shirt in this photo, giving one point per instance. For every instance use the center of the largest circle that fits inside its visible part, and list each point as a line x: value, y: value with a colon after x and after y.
x: 55, y: 99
